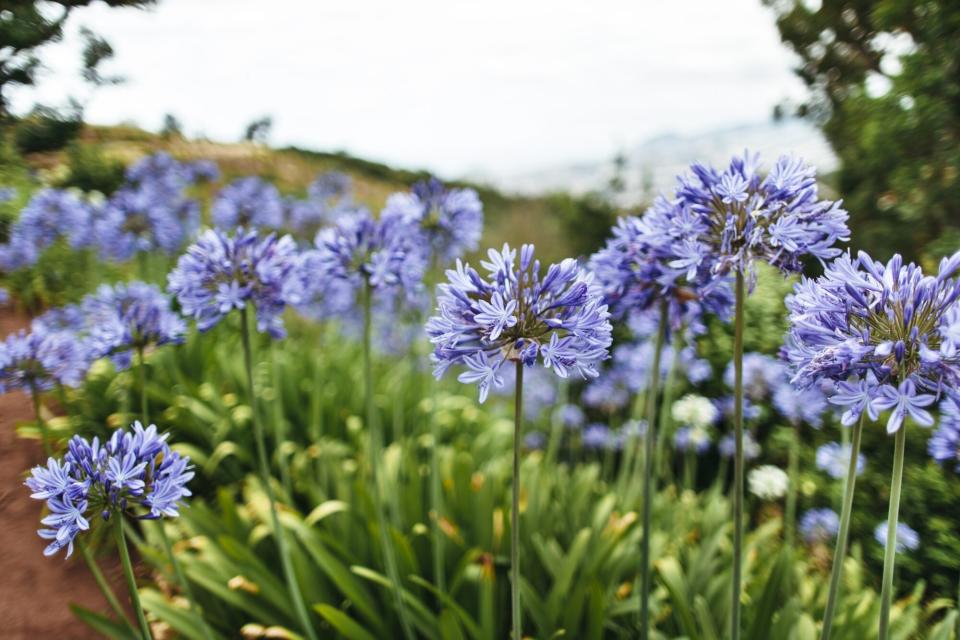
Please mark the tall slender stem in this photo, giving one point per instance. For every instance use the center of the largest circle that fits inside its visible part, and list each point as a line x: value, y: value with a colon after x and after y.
x: 793, y: 463
x: 737, y: 457
x: 666, y: 418
x: 102, y: 583
x: 649, y: 440
x: 515, y: 508
x: 278, y: 531
x: 893, y: 516
x: 168, y: 548
x: 376, y: 446
x: 840, y: 553
x: 279, y: 422
x: 41, y: 424
x: 436, y: 498
x: 128, y: 575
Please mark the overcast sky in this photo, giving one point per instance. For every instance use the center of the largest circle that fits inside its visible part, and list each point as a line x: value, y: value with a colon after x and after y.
x: 453, y: 86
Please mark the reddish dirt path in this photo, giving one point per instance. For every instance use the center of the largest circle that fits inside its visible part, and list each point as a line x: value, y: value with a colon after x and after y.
x: 35, y: 591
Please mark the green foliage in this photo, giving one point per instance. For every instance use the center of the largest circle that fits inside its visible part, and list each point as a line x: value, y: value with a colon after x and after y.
x: 898, y: 149
x: 47, y: 129
x: 90, y: 169
x: 586, y: 220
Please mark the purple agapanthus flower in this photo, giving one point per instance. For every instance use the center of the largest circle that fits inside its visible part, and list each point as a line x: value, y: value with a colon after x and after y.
x: 597, y: 436
x: 448, y: 222
x: 68, y: 318
x: 866, y: 323
x: 660, y: 257
x: 834, y: 459
x: 356, y: 252
x: 50, y: 215
x: 248, y: 202
x: 41, y: 360
x: 800, y: 405
x: 696, y: 439
x: 220, y: 273
x: 944, y: 444
x: 134, y: 473
x: 762, y: 374
x: 819, y: 526
x: 517, y: 315
x: 741, y: 216
x: 727, y: 446
x: 907, y: 538
x: 127, y: 317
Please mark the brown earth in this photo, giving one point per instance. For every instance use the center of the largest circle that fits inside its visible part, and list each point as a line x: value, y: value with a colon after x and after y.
x: 36, y: 591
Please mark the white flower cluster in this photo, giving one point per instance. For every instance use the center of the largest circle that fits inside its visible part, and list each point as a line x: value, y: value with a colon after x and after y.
x: 768, y: 482
x: 695, y: 411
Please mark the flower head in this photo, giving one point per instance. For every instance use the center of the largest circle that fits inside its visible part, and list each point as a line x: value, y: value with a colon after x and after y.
x: 886, y: 324
x: 660, y: 257
x: 696, y: 439
x: 220, y: 273
x: 42, y: 360
x: 448, y: 221
x: 743, y: 216
x: 50, y: 215
x: 944, y: 444
x: 133, y: 473
x: 515, y: 315
x: 768, y: 482
x: 907, y: 538
x: 248, y: 202
x: 834, y: 459
x: 694, y: 410
x: 130, y: 316
x: 728, y: 446
x: 819, y: 526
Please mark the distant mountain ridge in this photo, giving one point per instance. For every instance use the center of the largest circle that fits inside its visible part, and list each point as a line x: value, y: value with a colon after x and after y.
x: 652, y: 166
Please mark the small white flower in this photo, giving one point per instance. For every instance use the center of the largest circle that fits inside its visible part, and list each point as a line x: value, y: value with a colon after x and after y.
x: 695, y: 411
x: 768, y: 482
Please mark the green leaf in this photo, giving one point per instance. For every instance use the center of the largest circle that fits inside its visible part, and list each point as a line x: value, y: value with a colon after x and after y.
x: 343, y: 623
x: 102, y: 624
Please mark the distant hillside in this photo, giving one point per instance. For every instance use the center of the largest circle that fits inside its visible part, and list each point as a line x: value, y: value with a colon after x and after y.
x: 652, y: 166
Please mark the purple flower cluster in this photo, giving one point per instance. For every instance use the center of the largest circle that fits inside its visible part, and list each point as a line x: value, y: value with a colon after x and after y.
x: 834, y: 458
x: 50, y: 215
x: 448, y: 222
x: 151, y: 210
x: 738, y: 216
x: 727, y: 446
x: 944, y: 444
x: 248, y: 202
x: 819, y: 526
x: 514, y: 315
x: 41, y: 360
x: 907, y: 538
x: 356, y: 252
x: 133, y: 473
x: 126, y: 317
x: 328, y: 198
x: 219, y: 273
x: 660, y: 257
x: 884, y: 333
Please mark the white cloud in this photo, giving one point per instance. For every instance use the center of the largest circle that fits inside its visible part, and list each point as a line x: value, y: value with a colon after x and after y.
x: 450, y: 85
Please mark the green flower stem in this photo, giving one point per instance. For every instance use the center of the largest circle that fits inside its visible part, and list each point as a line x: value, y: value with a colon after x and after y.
x: 41, y: 424
x: 104, y: 586
x: 649, y: 440
x: 376, y: 447
x: 666, y: 417
x: 556, y: 423
x: 890, y: 552
x: 515, y: 509
x: 279, y: 421
x: 737, y: 458
x: 793, y: 473
x: 278, y: 531
x: 174, y: 562
x: 128, y: 575
x: 436, y: 499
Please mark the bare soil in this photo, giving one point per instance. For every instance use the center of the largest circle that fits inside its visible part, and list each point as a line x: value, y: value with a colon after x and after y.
x: 36, y: 591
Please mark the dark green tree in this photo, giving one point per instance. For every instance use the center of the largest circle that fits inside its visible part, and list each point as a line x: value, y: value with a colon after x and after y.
x: 28, y: 25
x: 884, y: 80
